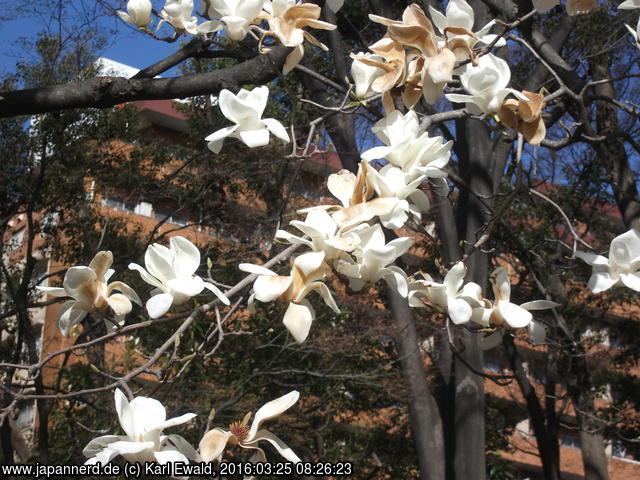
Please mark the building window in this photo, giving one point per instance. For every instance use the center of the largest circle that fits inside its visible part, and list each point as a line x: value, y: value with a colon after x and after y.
x: 118, y: 204
x: 171, y: 218
x: 570, y: 441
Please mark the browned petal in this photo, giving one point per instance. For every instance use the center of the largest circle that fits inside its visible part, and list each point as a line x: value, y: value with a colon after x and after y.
x: 534, y: 132
x: 388, y: 80
x: 304, y: 10
x: 414, y: 15
x: 317, y: 24
x: 508, y: 115
x: 383, y: 20
x: 387, y: 102
x: 413, y: 36
x: 361, y: 192
x: 532, y: 109
x: 388, y: 49
x: 314, y: 40
x: 387, y: 67
x: 297, y: 284
x: 411, y: 94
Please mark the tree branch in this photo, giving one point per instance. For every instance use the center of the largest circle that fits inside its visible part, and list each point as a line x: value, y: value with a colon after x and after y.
x: 105, y: 92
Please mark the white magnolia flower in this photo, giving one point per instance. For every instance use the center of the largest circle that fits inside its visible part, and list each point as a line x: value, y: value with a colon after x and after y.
x: 142, y: 421
x: 460, y: 14
x: 172, y: 271
x: 623, y: 265
x: 487, y: 85
x: 364, y: 74
x: 90, y: 292
x: 308, y: 269
x: 372, y: 260
x: 449, y: 295
x: 355, y: 194
x: 245, y: 110
x: 138, y: 13
x: 286, y: 19
x: 215, y: 441
x: 236, y: 15
x: 179, y: 13
x: 392, y: 182
x: 503, y: 313
x: 325, y: 236
x: 629, y: 5
x: 403, y: 148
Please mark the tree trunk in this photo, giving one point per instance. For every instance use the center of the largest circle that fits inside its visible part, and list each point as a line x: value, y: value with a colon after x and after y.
x: 423, y: 411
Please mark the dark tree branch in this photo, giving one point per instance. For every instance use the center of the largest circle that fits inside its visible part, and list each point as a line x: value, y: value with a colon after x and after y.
x: 109, y: 91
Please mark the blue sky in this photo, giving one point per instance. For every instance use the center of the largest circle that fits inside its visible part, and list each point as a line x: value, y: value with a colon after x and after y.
x: 125, y: 44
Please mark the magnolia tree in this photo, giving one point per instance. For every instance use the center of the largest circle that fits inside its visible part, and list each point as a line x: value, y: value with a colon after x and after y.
x: 453, y: 139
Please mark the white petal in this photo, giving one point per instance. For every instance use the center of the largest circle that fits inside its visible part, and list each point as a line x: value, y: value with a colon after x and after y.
x: 145, y: 275
x: 216, y: 291
x: 186, y: 256
x: 514, y: 315
x: 631, y: 280
x: 186, y: 286
x: 298, y: 319
x: 180, y: 444
x: 158, y: 260
x: 276, y: 128
x: 539, y: 305
x: 279, y: 445
x: 592, y: 258
x: 270, y: 410
x: 255, y: 138
x: 170, y: 456
x: 101, y: 263
x: 96, y: 445
x: 216, y: 139
x: 126, y: 290
x: 324, y: 292
x: 172, y: 422
x: 396, y: 279
x: 267, y: 288
x: 375, y: 153
x: 308, y: 263
x: 148, y: 415
x: 341, y: 186
x: 77, y: 277
x: 288, y: 237
x: 125, y: 416
x: 130, y: 448
x: 459, y: 310
x: 120, y: 304
x: 255, y: 269
x: 159, y: 304
x: 213, y: 444
x: 599, y: 282
x: 454, y: 279
x: 70, y: 314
